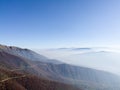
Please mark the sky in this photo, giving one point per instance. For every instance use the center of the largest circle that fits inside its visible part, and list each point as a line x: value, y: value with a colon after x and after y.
x: 60, y: 23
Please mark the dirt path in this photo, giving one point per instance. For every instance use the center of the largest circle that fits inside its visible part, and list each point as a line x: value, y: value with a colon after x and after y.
x: 7, y: 79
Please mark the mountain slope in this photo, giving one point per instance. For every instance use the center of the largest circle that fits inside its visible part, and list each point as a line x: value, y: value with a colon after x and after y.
x: 26, y: 53
x: 20, y: 64
x: 85, y: 78
x: 18, y: 81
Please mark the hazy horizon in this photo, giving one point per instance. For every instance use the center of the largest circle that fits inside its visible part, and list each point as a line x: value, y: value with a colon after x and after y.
x: 100, y: 58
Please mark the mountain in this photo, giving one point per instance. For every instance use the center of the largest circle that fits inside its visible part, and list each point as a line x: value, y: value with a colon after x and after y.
x: 16, y: 73
x: 21, y: 81
x: 84, y: 78
x: 26, y: 53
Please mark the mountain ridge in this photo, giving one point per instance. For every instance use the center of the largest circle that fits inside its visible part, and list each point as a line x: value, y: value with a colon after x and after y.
x: 62, y: 72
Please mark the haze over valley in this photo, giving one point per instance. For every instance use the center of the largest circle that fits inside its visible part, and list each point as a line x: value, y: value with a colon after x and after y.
x: 107, y: 59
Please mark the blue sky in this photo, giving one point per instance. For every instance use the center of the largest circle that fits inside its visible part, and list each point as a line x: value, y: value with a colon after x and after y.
x: 60, y: 23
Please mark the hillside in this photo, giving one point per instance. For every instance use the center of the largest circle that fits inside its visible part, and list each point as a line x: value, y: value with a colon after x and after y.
x: 19, y: 81
x: 84, y: 78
